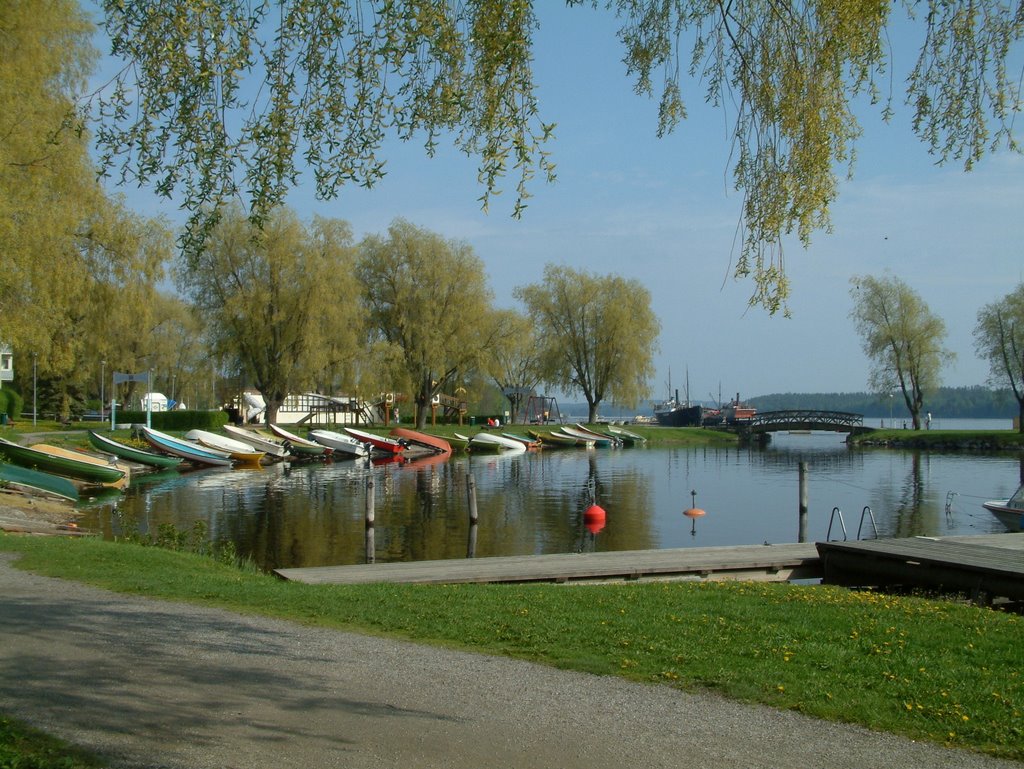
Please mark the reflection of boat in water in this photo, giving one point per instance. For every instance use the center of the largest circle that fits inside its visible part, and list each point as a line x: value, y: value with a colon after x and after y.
x: 1010, y: 512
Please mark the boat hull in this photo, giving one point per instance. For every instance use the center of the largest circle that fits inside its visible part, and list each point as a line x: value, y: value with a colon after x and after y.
x: 46, y: 459
x: 431, y: 442
x: 132, y: 454
x: 35, y: 481
x: 188, y: 451
x: 300, y: 445
x: 1011, y: 517
x: 339, y: 443
x: 379, y: 443
x: 237, y: 450
x: 273, y: 449
x: 680, y: 416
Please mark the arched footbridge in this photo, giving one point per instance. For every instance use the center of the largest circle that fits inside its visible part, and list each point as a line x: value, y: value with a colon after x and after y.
x: 804, y: 419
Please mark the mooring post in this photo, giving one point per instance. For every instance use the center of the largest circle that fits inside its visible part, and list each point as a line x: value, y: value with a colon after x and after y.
x: 370, y: 538
x: 802, y: 534
x: 471, y: 499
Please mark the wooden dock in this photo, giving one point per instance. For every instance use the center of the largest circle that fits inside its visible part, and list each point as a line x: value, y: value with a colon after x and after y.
x: 748, y: 562
x: 962, y: 555
x: 982, y: 568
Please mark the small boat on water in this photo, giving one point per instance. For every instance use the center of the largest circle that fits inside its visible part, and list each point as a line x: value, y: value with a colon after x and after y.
x: 586, y: 431
x: 594, y: 438
x: 490, y: 441
x: 1010, y: 512
x: 340, y: 443
x: 626, y: 436
x: 555, y: 439
x: 132, y: 454
x: 459, y: 441
x: 379, y: 442
x: 26, y: 479
x: 272, y: 448
x: 429, y: 442
x: 530, y: 443
x: 58, y: 461
x: 301, y: 445
x: 187, y: 450
x: 238, y: 451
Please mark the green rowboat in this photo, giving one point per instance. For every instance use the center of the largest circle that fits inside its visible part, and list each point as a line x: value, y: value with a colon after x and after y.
x: 33, y: 480
x: 82, y: 470
x: 132, y: 454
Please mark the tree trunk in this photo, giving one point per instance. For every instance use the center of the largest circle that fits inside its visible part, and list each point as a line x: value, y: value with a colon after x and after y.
x: 592, y: 415
x: 1020, y: 416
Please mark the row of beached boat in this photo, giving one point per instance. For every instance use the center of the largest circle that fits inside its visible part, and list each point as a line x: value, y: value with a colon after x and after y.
x: 60, y: 471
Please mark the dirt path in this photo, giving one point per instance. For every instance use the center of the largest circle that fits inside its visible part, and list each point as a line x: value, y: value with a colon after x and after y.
x: 161, y: 684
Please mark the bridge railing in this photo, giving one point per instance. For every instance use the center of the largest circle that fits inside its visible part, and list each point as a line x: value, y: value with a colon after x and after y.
x: 807, y: 416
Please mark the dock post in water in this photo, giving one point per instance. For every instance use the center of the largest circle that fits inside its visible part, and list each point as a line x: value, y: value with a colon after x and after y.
x: 371, y: 546
x: 471, y: 499
x: 802, y: 533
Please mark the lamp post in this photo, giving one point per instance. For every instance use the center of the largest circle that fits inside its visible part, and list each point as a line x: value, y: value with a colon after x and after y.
x: 35, y: 407
x: 890, y: 410
x: 103, y: 374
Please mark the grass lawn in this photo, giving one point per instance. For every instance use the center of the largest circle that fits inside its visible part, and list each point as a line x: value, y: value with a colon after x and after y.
x: 944, y: 671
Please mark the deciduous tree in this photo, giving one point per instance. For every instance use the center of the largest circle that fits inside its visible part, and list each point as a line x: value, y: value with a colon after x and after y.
x: 428, y: 299
x: 999, y: 337
x: 902, y: 338
x: 514, y: 362
x: 598, y: 334
x: 278, y: 301
x: 230, y: 97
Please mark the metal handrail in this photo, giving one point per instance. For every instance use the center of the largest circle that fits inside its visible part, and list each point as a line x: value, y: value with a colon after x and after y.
x: 828, y: 536
x: 871, y: 517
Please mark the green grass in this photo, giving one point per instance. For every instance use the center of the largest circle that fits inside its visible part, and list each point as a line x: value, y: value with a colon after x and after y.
x: 943, y: 671
x: 22, y: 747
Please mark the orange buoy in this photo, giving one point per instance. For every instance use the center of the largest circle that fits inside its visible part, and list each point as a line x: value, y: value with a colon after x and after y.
x: 594, y: 518
x: 693, y: 512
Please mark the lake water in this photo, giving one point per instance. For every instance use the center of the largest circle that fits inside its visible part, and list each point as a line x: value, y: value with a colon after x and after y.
x: 313, y: 514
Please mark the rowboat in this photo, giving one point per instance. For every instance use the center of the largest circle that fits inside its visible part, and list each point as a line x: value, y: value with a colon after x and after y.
x: 558, y: 438
x: 459, y: 441
x: 340, y: 443
x: 530, y: 443
x: 187, y: 450
x: 586, y: 431
x: 626, y: 436
x: 605, y: 442
x: 272, y: 448
x: 24, y: 478
x: 431, y: 442
x: 238, y: 451
x: 488, y: 441
x: 132, y: 454
x: 70, y: 464
x: 379, y: 443
x: 301, y: 445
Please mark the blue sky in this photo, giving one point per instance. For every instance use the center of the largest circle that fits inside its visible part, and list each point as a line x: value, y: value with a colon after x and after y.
x: 664, y: 212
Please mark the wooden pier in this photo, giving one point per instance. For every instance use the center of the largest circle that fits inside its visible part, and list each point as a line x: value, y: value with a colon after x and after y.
x: 748, y: 562
x: 982, y: 568
x: 992, y: 564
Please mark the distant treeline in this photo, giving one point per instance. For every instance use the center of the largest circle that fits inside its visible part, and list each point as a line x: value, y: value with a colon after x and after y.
x: 976, y: 402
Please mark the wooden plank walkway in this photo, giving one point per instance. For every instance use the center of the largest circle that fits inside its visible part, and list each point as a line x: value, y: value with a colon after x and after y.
x: 753, y: 562
x: 982, y: 568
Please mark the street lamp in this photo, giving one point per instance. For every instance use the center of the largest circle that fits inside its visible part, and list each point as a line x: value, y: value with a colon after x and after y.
x: 103, y: 374
x: 890, y: 411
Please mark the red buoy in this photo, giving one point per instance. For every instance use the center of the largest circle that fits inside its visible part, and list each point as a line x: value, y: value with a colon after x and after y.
x: 594, y: 518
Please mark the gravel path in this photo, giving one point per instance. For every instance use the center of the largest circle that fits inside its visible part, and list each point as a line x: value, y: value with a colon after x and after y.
x: 158, y: 684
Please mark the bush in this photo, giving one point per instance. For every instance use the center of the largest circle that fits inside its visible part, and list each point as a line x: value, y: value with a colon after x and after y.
x: 176, y: 420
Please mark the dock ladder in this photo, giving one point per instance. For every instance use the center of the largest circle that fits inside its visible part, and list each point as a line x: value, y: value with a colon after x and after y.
x: 865, y: 513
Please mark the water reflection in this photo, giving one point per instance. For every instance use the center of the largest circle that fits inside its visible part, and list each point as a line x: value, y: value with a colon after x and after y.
x: 307, y: 515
